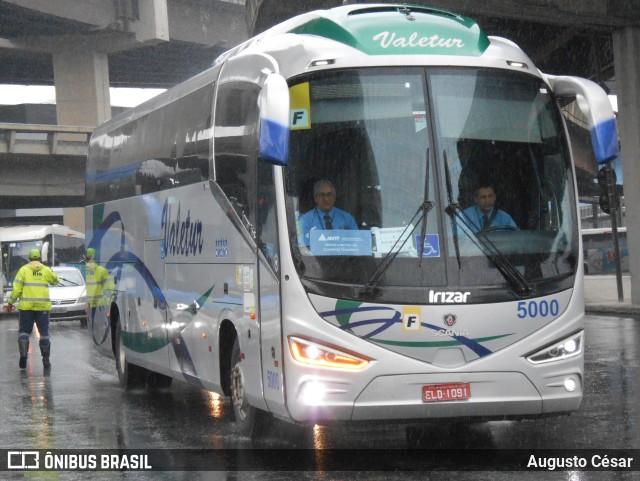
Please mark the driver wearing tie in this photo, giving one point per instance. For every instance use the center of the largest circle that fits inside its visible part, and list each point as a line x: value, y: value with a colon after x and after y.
x: 483, y: 216
x: 325, y: 215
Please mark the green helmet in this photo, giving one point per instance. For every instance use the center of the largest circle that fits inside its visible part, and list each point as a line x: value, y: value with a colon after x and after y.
x: 91, y: 253
x: 34, y: 254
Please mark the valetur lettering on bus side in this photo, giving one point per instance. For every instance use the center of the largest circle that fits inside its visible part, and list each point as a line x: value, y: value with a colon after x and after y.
x: 181, y: 237
x: 387, y: 39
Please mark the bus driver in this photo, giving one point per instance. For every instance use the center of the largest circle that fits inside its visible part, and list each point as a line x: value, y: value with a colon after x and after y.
x: 324, y: 215
x: 483, y: 216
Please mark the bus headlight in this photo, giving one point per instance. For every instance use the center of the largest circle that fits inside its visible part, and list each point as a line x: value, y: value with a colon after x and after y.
x: 565, y: 349
x: 315, y: 354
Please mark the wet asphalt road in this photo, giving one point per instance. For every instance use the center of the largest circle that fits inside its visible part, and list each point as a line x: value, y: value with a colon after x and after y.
x: 80, y: 405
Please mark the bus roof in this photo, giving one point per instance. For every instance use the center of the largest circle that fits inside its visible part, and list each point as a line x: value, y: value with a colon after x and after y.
x: 357, y: 35
x: 367, y: 34
x: 27, y: 232
x: 382, y: 29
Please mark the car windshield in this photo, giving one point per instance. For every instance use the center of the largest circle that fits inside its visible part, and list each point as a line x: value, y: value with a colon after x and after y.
x: 69, y: 278
x: 413, y: 178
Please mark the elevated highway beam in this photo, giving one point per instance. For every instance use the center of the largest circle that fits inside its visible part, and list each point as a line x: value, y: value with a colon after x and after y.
x: 42, y: 165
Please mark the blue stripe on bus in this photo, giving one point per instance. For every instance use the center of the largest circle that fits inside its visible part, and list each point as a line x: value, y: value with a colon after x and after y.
x: 115, y: 263
x: 476, y: 347
x: 274, y: 141
x: 604, y: 139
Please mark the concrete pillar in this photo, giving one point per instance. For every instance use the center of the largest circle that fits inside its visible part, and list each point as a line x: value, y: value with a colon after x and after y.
x: 82, y: 98
x: 73, y: 218
x: 154, y: 21
x: 626, y: 45
x: 82, y: 88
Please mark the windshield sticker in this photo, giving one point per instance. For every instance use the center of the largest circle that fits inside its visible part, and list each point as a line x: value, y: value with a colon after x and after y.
x: 300, y: 107
x: 340, y: 242
x: 386, y: 239
x: 431, y: 247
x: 420, y: 119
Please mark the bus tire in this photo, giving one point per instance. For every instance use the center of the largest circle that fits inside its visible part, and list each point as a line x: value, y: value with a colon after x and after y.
x: 129, y: 375
x: 250, y: 421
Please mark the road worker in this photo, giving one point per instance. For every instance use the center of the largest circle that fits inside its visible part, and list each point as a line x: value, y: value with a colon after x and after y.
x: 98, y: 281
x: 31, y: 286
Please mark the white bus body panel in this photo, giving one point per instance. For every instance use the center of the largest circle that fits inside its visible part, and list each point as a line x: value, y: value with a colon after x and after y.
x: 502, y: 384
x: 171, y: 305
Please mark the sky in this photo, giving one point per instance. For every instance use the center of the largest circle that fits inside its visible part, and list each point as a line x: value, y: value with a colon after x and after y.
x: 29, y: 94
x: 120, y: 97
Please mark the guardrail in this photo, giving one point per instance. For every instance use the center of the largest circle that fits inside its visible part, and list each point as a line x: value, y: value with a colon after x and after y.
x: 593, y: 217
x: 40, y: 139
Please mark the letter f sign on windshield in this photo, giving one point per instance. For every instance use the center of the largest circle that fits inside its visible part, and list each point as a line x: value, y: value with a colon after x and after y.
x: 299, y: 119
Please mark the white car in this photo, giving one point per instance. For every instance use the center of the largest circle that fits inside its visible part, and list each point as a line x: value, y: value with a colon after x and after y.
x: 69, y: 297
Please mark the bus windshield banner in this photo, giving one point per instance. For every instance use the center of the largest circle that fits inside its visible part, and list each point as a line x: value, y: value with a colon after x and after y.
x: 340, y: 242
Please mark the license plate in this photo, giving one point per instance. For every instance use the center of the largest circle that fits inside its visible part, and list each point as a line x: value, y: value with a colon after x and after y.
x: 58, y: 309
x: 446, y: 392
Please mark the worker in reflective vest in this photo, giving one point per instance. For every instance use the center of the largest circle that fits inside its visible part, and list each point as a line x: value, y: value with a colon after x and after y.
x: 31, y: 286
x: 98, y: 281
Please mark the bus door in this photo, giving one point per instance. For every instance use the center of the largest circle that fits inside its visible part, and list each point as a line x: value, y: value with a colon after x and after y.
x: 270, y: 313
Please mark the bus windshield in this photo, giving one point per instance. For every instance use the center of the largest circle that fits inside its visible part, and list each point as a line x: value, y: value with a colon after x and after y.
x: 15, y: 255
x: 417, y: 178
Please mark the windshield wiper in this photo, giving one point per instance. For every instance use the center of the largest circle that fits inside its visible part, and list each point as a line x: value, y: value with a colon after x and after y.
x: 67, y: 280
x: 369, y: 289
x: 454, y: 228
x: 425, y: 212
x: 489, y: 249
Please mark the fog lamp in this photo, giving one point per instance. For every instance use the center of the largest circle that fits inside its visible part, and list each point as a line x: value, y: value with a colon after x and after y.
x: 312, y: 393
x: 570, y: 384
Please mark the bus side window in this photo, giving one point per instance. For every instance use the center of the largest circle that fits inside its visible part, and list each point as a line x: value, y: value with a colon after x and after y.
x: 235, y: 139
x: 266, y: 214
x: 237, y: 194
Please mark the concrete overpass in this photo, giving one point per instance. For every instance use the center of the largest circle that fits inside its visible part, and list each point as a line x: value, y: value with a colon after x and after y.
x: 84, y: 46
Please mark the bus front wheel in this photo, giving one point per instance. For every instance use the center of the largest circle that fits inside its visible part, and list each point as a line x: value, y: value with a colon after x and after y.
x: 250, y: 420
x: 129, y: 375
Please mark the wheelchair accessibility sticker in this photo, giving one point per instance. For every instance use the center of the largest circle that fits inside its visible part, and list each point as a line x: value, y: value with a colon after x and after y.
x: 431, y: 246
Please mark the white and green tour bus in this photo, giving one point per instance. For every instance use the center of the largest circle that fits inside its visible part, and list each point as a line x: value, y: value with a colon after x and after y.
x: 195, y: 201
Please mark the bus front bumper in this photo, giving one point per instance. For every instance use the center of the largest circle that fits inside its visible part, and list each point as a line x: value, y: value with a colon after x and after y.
x: 493, y: 395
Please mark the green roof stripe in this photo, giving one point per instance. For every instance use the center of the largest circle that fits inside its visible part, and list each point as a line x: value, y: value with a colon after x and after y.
x: 392, y: 31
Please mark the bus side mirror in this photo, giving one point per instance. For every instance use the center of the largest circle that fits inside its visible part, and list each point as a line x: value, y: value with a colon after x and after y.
x: 596, y: 107
x: 274, y: 120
